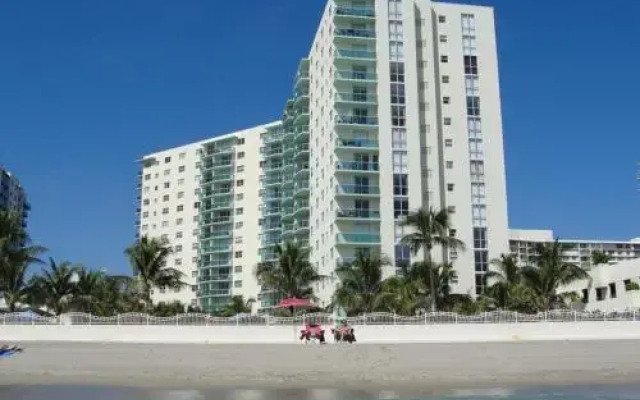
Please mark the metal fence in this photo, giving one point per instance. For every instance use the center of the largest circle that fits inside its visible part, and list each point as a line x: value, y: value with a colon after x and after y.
x: 496, y: 317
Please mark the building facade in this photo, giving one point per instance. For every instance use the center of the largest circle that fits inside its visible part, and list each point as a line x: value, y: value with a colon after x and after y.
x: 396, y: 107
x: 522, y: 242
x: 13, y: 196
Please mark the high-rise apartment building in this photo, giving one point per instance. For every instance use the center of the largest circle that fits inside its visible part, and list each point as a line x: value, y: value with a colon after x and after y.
x: 396, y: 107
x: 12, y: 195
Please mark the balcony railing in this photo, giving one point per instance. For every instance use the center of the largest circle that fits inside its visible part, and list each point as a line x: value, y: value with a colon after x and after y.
x: 216, y: 192
x: 356, y: 33
x: 357, y: 54
x: 214, y: 278
x: 216, y: 249
x: 365, y: 12
x: 358, y: 189
x: 356, y: 97
x: 350, y: 75
x: 357, y: 165
x: 218, y: 220
x: 358, y: 238
x: 358, y: 213
x: 272, y: 211
x: 214, y: 293
x: 302, y: 147
x: 272, y: 180
x: 360, y: 143
x: 356, y: 120
x: 304, y: 224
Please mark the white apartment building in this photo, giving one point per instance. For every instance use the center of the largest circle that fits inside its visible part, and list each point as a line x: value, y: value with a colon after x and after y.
x: 522, y: 242
x: 396, y: 107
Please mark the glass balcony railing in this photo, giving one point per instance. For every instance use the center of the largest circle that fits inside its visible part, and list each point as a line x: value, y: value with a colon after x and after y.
x: 216, y: 249
x: 216, y: 192
x: 273, y: 152
x: 365, y: 12
x: 358, y: 238
x: 214, y: 293
x: 222, y: 177
x: 356, y: 142
x: 356, y: 33
x: 356, y: 97
x: 217, y: 205
x: 357, y: 54
x: 272, y: 211
x: 272, y: 180
x: 214, y: 278
x: 358, y: 189
x: 302, y: 147
x: 222, y: 234
x: 358, y: 213
x: 302, y: 185
x: 356, y: 75
x: 302, y: 205
x: 357, y: 165
x: 216, y: 220
x: 304, y: 224
x: 356, y: 120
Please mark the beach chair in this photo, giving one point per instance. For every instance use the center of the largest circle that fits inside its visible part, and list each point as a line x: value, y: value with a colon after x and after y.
x: 312, y: 332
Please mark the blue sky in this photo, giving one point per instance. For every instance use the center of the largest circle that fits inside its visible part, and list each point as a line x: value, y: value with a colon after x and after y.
x: 87, y: 87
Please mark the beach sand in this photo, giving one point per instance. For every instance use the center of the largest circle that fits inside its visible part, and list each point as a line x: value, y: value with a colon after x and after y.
x: 406, y: 367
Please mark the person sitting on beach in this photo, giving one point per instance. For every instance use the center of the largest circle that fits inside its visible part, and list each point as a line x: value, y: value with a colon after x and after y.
x: 344, y: 333
x: 4, y: 349
x: 313, y: 331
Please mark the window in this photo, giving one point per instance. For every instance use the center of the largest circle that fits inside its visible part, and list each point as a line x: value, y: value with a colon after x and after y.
x: 196, y: 205
x: 400, y: 207
x: 167, y: 172
x: 447, y: 121
x: 145, y: 214
x: 395, y: 30
x: 601, y: 293
x: 446, y: 99
x: 165, y: 197
x: 178, y: 248
x: 167, y: 160
x: 146, y: 202
x: 240, y: 168
x: 444, y: 59
x: 237, y: 269
x: 448, y: 143
x: 468, y: 24
x: 241, y: 141
x: 239, y: 211
x: 449, y: 164
x: 180, y: 181
x: 238, y: 254
x: 181, y: 168
x: 445, y: 78
x: 180, y: 195
x: 147, y: 177
x: 472, y: 86
x: 194, y: 246
x: 179, y: 235
x: 178, y: 261
x: 453, y: 232
x: 400, y: 185
x: 166, y: 185
x: 179, y: 221
x: 473, y: 106
x: 451, y: 209
x: 398, y: 117
x: 241, y: 154
x: 164, y: 238
x: 476, y: 149
x: 145, y: 227
x: 478, y: 193
x: 450, y: 187
x: 237, y: 284
x: 469, y: 45
x: 238, y: 240
x: 182, y: 156
x: 239, y: 196
x: 196, y: 218
x: 396, y: 51
x: 480, y: 238
x: 399, y: 138
x: 240, y: 182
x: 397, y: 72
x: 165, y: 210
x: 239, y: 225
x: 397, y: 93
x: 481, y: 260
x: 442, y: 19
x: 180, y: 208
x: 400, y: 162
x: 443, y: 38
x: 612, y: 290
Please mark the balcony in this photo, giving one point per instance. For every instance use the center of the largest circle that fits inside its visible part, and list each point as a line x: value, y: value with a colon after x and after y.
x: 217, y: 220
x: 214, y: 278
x: 301, y: 188
x: 358, y: 76
x: 274, y: 137
x: 271, y: 211
x: 214, y: 293
x: 302, y: 169
x: 357, y: 143
x: 355, y: 33
x: 358, y: 213
x: 302, y: 206
x: 222, y: 177
x: 356, y: 120
x: 357, y: 98
x: 273, y: 152
x: 272, y: 167
x: 216, y: 192
x: 361, y: 166
x: 358, y: 238
x: 223, y: 234
x: 356, y: 12
x: 272, y: 180
x: 215, y: 249
x: 356, y: 54
x: 302, y: 226
x: 218, y: 205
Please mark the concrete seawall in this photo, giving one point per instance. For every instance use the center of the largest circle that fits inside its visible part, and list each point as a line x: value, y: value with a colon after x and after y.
x: 461, y: 333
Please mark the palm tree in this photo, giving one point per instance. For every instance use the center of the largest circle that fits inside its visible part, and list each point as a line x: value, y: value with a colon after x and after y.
x: 431, y: 228
x: 16, y: 256
x: 436, y: 279
x: 361, y: 284
x: 238, y: 306
x: 550, y: 274
x: 55, y: 286
x: 506, y: 275
x: 291, y: 275
x: 599, y: 257
x: 148, y: 258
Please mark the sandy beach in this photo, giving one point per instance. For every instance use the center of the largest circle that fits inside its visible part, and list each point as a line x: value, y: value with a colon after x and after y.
x: 407, y: 367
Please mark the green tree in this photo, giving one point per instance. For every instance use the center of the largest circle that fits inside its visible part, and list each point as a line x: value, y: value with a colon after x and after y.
x: 148, y: 259
x: 55, y: 286
x: 549, y: 274
x: 16, y: 256
x: 291, y: 275
x: 435, y: 280
x: 163, y: 309
x: 430, y: 228
x: 505, y: 275
x: 361, y: 284
x: 599, y: 257
x: 238, y: 305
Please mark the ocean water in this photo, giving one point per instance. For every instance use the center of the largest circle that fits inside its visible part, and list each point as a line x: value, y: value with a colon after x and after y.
x: 115, y: 393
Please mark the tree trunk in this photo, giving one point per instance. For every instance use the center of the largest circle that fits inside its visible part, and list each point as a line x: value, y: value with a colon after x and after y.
x: 432, y: 283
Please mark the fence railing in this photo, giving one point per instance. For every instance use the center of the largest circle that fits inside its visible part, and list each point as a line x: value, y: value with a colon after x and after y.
x: 496, y: 317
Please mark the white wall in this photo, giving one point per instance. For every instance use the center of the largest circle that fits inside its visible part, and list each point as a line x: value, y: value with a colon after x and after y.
x: 463, y: 333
